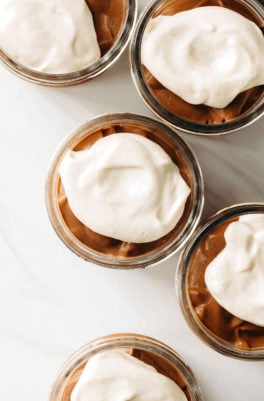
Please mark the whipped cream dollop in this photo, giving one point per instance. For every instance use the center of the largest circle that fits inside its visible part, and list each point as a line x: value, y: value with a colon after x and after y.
x: 206, y: 55
x: 51, y: 36
x: 117, y: 376
x: 126, y: 187
x: 235, y: 277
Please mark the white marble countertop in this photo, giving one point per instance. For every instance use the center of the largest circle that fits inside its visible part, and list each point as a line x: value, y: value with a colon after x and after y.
x: 51, y: 301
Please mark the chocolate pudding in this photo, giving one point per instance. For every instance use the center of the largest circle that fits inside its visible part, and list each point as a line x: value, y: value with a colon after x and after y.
x: 112, y: 246
x: 99, y: 245
x: 241, y: 334
x: 159, y: 363
x: 202, y: 114
x: 109, y: 17
x: 113, y: 22
x: 117, y: 362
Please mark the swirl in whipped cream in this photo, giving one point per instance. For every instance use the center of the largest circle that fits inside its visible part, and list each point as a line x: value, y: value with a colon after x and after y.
x: 115, y: 375
x: 51, y: 36
x: 207, y: 55
x: 126, y: 187
x: 235, y: 278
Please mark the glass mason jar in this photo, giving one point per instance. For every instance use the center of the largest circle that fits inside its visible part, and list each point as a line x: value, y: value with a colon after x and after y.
x: 214, y: 325
x: 121, y: 26
x: 106, y: 251
x: 195, y: 119
x: 147, y: 349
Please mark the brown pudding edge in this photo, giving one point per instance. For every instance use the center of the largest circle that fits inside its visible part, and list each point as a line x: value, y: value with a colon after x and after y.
x: 108, y: 16
x: 243, y: 335
x: 203, y: 114
x: 159, y: 363
x: 112, y: 246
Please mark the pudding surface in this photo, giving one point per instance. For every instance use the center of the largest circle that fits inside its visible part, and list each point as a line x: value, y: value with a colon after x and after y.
x: 108, y: 16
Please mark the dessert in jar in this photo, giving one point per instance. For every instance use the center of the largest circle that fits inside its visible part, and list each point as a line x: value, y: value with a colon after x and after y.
x: 125, y: 366
x: 199, y: 65
x: 221, y: 281
x: 63, y: 42
x: 124, y: 191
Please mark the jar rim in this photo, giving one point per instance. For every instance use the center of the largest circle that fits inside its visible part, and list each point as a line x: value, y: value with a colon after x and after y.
x: 123, y: 341
x: 143, y: 260
x: 84, y: 74
x: 180, y: 123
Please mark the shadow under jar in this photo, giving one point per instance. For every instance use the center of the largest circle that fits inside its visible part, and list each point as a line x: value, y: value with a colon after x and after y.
x: 199, y: 119
x: 110, y: 252
x: 114, y: 22
x: 149, y: 350
x: 218, y: 328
